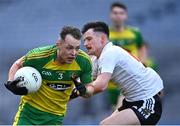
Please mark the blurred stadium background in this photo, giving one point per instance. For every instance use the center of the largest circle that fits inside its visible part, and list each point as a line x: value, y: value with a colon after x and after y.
x: 26, y: 24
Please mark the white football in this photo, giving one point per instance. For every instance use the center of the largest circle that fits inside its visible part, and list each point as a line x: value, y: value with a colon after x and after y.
x: 31, y: 78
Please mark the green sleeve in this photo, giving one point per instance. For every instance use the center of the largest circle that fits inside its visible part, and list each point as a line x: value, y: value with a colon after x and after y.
x: 86, y: 76
x: 27, y: 61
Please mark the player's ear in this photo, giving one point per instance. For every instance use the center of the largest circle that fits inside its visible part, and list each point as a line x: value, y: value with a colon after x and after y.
x: 103, y: 39
x: 58, y: 43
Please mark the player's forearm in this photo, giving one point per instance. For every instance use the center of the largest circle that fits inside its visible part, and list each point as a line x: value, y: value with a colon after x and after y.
x: 16, y: 65
x: 99, y: 85
x: 95, y: 88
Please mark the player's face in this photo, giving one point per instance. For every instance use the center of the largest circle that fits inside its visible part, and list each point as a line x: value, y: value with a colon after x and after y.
x: 93, y: 42
x: 118, y: 16
x: 68, y: 49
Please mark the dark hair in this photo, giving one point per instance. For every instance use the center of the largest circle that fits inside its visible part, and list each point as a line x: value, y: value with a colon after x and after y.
x: 70, y: 30
x: 118, y: 4
x: 97, y: 27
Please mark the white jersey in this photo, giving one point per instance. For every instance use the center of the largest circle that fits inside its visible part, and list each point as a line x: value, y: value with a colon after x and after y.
x: 94, y: 66
x: 136, y: 81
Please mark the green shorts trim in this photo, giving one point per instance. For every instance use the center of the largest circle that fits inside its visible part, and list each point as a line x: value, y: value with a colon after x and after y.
x: 29, y: 115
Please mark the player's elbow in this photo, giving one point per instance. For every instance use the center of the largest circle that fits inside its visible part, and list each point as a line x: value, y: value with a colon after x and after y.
x: 101, y: 87
x: 18, y: 63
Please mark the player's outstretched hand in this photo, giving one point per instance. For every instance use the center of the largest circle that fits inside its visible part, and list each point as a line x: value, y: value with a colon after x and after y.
x: 79, y: 86
x: 12, y: 86
x: 74, y: 94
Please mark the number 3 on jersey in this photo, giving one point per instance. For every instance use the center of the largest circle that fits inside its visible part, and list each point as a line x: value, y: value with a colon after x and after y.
x: 60, y: 76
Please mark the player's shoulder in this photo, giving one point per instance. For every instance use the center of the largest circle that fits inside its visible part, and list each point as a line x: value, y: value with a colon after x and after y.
x: 110, y: 51
x: 110, y: 48
x: 114, y: 51
x: 83, y: 57
x: 43, y: 50
x: 83, y: 54
x: 133, y: 28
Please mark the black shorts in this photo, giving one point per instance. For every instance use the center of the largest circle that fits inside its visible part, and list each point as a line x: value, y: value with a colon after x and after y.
x: 148, y: 111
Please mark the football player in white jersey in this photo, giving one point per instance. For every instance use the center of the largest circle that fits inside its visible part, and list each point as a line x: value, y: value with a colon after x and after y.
x: 140, y: 85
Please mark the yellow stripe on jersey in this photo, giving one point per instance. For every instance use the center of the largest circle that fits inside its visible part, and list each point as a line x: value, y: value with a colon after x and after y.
x: 119, y: 35
x: 17, y: 117
x: 81, y: 54
x: 41, y: 51
x: 43, y: 56
x: 39, y: 55
x: 54, y: 65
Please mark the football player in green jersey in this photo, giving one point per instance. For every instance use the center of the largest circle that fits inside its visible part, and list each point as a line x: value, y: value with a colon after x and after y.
x: 56, y: 63
x: 125, y: 36
x: 121, y: 34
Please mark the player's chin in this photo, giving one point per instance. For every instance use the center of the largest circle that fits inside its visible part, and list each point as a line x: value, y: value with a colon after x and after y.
x: 90, y: 52
x: 69, y: 61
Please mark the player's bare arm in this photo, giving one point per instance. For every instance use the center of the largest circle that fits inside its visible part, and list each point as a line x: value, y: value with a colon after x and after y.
x: 99, y: 85
x: 16, y: 66
x: 11, y: 84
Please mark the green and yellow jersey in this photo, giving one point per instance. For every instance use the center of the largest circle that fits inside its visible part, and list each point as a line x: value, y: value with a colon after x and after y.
x: 57, y: 85
x: 130, y: 39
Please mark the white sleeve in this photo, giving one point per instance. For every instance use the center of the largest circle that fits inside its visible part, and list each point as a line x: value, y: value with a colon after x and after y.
x: 108, y: 62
